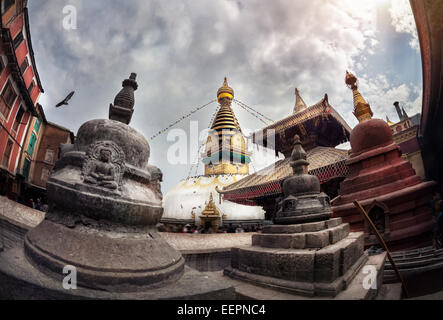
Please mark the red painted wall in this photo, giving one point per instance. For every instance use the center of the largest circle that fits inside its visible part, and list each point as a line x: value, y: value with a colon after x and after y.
x: 28, y: 76
x: 7, y: 133
x: 16, y: 25
x: 17, y: 148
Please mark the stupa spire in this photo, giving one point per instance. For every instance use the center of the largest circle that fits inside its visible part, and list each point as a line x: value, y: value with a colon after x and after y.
x: 124, y: 101
x: 226, y: 148
x: 225, y: 118
x: 362, y: 109
x: 299, y: 103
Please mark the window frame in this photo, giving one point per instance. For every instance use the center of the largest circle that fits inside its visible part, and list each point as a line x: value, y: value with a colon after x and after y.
x: 21, y: 39
x: 9, y: 143
x: 4, y: 9
x: 8, y: 105
x: 31, y: 87
x: 25, y: 60
x: 31, y: 144
x: 16, y: 124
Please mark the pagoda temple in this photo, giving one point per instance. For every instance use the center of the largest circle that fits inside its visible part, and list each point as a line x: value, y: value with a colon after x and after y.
x: 404, y: 133
x: 320, y: 129
x: 226, y: 161
x: 396, y: 199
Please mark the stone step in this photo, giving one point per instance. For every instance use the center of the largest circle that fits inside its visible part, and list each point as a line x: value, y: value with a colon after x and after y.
x: 302, y: 265
x: 315, y: 239
x: 303, y: 227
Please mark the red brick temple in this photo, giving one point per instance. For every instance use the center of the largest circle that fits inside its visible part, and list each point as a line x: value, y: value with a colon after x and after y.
x: 321, y: 129
x: 396, y: 199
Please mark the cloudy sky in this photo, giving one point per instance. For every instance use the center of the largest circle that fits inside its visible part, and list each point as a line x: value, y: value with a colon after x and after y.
x: 181, y: 50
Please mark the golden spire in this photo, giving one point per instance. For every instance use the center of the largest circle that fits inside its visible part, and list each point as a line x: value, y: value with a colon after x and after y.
x: 362, y: 109
x: 225, y: 91
x: 390, y: 123
x: 225, y: 118
x: 299, y: 103
x: 226, y: 148
x: 211, y: 209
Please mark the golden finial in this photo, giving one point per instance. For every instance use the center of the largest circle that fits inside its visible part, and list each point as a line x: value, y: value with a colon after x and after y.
x: 225, y: 91
x: 390, y: 123
x: 362, y: 109
x: 299, y: 103
x: 210, y: 208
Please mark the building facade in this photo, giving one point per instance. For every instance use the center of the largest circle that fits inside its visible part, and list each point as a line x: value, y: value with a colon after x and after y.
x: 405, y: 134
x: 47, y: 154
x: 20, y: 88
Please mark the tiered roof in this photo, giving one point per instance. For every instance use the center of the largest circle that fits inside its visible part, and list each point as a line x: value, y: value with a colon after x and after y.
x: 320, y: 124
x: 324, y: 162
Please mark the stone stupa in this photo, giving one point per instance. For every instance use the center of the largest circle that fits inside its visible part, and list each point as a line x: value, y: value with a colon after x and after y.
x: 104, y: 203
x: 304, y: 252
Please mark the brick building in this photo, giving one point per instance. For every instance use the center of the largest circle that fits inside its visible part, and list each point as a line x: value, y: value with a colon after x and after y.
x: 405, y: 135
x: 46, y: 155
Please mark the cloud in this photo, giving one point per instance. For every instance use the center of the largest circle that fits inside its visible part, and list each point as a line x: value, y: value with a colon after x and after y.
x: 181, y: 50
x: 403, y: 21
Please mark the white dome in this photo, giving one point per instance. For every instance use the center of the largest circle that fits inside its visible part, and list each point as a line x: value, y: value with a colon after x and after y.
x: 191, y: 196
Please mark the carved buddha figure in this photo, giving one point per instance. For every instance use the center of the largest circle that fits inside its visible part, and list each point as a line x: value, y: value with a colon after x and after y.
x: 102, y: 171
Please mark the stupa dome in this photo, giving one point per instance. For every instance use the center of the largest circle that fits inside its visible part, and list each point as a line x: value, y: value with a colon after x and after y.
x: 370, y: 134
x: 185, y: 202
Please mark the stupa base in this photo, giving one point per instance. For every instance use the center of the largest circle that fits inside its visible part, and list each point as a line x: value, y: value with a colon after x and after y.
x: 21, y: 280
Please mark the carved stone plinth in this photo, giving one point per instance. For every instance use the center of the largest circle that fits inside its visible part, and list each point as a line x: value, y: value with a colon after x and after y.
x: 313, y: 259
x: 305, y: 252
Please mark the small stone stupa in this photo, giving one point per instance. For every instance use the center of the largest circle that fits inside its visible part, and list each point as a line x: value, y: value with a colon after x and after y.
x: 304, y: 252
x: 104, y: 204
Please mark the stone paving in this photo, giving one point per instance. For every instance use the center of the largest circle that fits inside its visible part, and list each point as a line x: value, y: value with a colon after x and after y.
x: 194, y: 243
x: 16, y: 212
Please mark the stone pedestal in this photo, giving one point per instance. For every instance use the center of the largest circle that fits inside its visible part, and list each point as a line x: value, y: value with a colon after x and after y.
x: 313, y: 259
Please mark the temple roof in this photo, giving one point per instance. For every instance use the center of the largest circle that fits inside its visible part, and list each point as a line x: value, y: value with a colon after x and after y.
x: 320, y: 120
x: 324, y: 162
x: 299, y: 103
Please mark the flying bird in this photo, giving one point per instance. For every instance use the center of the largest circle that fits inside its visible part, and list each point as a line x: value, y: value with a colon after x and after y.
x: 65, y: 101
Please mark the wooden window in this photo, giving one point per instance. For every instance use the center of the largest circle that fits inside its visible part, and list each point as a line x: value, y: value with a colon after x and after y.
x: 6, y: 4
x: 37, y: 124
x: 18, y: 119
x: 45, y: 174
x: 8, y: 98
x: 26, y: 167
x: 31, y: 87
x: 31, y: 144
x: 18, y: 40
x: 49, y: 156
x: 7, y: 154
x: 24, y: 65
